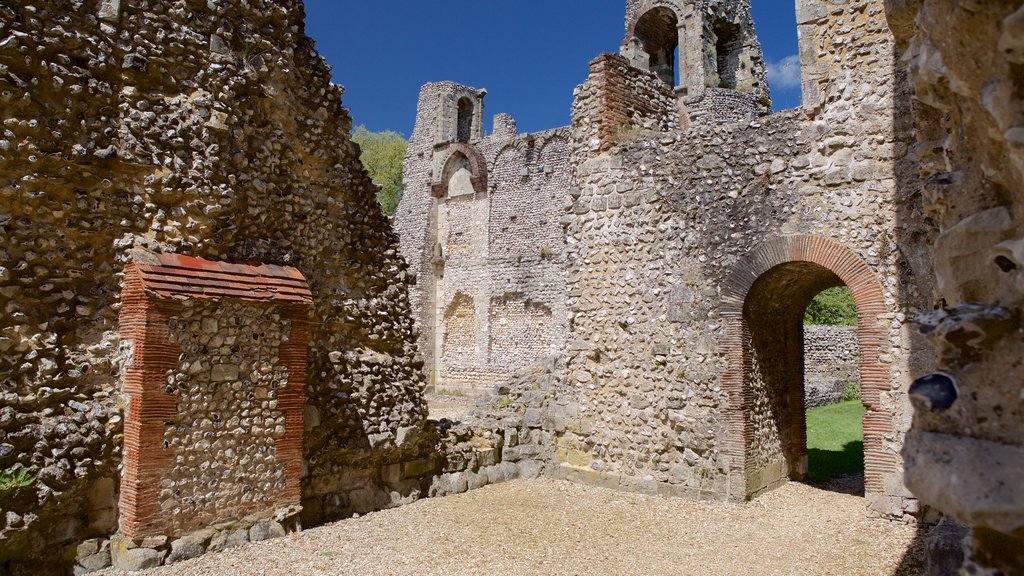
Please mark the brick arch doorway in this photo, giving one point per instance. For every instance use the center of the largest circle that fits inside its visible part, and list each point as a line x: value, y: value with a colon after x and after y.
x: 763, y: 303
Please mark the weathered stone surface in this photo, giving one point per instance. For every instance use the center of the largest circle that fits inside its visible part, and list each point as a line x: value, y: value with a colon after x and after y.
x: 831, y: 363
x: 266, y: 531
x: 486, y: 253
x: 945, y: 554
x: 188, y: 547
x: 174, y: 140
x: 137, y: 559
x: 964, y: 64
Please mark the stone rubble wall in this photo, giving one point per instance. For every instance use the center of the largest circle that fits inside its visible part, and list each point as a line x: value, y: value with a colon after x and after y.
x: 226, y: 383
x: 729, y: 106
x: 966, y: 64
x: 204, y: 128
x: 659, y: 223
x: 618, y: 101
x: 831, y: 363
x: 489, y: 293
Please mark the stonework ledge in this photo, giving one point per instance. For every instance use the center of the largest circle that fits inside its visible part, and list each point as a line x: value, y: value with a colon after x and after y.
x: 988, y: 495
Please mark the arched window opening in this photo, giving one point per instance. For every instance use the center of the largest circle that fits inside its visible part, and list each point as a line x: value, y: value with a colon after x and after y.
x: 658, y: 32
x: 728, y: 48
x: 464, y: 126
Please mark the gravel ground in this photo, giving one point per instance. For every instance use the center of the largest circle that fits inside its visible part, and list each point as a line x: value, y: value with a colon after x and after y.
x: 559, y: 528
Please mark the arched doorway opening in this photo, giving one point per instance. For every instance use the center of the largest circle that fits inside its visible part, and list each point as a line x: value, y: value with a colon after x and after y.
x: 831, y: 374
x: 658, y: 32
x: 728, y: 49
x: 764, y: 301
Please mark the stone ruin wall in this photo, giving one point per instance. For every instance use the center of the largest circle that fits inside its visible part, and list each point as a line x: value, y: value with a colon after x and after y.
x: 227, y: 393
x: 209, y: 129
x: 123, y: 178
x: 498, y: 305
x: 831, y: 363
x: 731, y: 90
x: 661, y: 222
x: 966, y: 63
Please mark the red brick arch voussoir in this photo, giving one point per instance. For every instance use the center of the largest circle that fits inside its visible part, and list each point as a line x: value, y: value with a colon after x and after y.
x: 477, y: 165
x: 872, y: 333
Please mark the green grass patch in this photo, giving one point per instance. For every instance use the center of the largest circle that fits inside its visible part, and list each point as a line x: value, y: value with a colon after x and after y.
x: 835, y: 441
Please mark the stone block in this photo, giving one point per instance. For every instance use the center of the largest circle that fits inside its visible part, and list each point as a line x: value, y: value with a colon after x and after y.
x: 407, y: 436
x: 224, y: 373
x: 189, y: 547
x: 945, y: 553
x: 530, y: 469
x: 266, y: 531
x: 532, y: 418
x: 136, y: 559
x: 417, y: 468
x: 110, y: 10
x: 94, y: 562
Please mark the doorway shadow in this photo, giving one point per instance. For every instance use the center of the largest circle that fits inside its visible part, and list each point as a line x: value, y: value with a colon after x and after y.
x: 837, y: 470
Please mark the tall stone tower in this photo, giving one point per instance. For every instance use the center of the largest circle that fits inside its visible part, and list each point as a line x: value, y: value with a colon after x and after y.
x: 706, y: 49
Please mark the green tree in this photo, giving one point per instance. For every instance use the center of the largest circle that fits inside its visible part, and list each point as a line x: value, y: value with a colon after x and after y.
x: 833, y: 307
x: 382, y: 155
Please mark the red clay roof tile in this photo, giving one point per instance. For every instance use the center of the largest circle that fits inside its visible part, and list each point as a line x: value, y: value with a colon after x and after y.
x: 174, y: 276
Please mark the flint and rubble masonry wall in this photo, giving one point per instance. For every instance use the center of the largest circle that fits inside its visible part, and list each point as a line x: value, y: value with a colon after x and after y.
x: 215, y: 390
x: 660, y: 222
x: 209, y: 129
x: 489, y: 296
x: 968, y: 116
x: 831, y: 363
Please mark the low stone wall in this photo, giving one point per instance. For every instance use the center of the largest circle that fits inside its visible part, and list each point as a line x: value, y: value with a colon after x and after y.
x: 831, y: 363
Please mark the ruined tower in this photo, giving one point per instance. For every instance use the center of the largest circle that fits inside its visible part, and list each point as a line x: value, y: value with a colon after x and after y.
x: 707, y: 50
x: 479, y: 227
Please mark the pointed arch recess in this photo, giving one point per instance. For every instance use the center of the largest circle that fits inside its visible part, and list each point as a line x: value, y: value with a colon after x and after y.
x: 477, y: 165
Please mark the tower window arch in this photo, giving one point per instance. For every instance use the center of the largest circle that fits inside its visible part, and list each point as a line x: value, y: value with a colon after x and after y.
x: 728, y: 49
x: 658, y: 32
x: 464, y: 124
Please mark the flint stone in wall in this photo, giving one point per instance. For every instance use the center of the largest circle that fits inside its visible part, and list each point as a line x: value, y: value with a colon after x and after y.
x: 110, y: 10
x: 530, y: 469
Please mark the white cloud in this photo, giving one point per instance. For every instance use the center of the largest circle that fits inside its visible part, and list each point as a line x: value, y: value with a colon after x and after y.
x: 785, y: 73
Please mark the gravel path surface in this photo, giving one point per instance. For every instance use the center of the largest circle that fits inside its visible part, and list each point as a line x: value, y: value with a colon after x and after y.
x: 558, y: 528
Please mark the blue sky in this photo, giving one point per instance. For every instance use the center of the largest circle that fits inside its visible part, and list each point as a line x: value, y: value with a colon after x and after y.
x: 529, y: 54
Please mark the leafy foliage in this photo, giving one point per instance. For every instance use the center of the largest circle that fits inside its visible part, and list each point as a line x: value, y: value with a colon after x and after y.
x: 12, y: 481
x: 851, y: 391
x: 382, y: 155
x: 833, y: 307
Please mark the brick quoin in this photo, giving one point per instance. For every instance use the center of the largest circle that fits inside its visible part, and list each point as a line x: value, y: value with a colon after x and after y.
x: 876, y: 376
x: 153, y: 288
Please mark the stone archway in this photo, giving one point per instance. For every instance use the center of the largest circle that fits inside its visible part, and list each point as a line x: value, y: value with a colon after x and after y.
x: 762, y: 306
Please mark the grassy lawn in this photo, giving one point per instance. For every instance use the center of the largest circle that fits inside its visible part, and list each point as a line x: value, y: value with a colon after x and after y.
x: 835, y: 441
